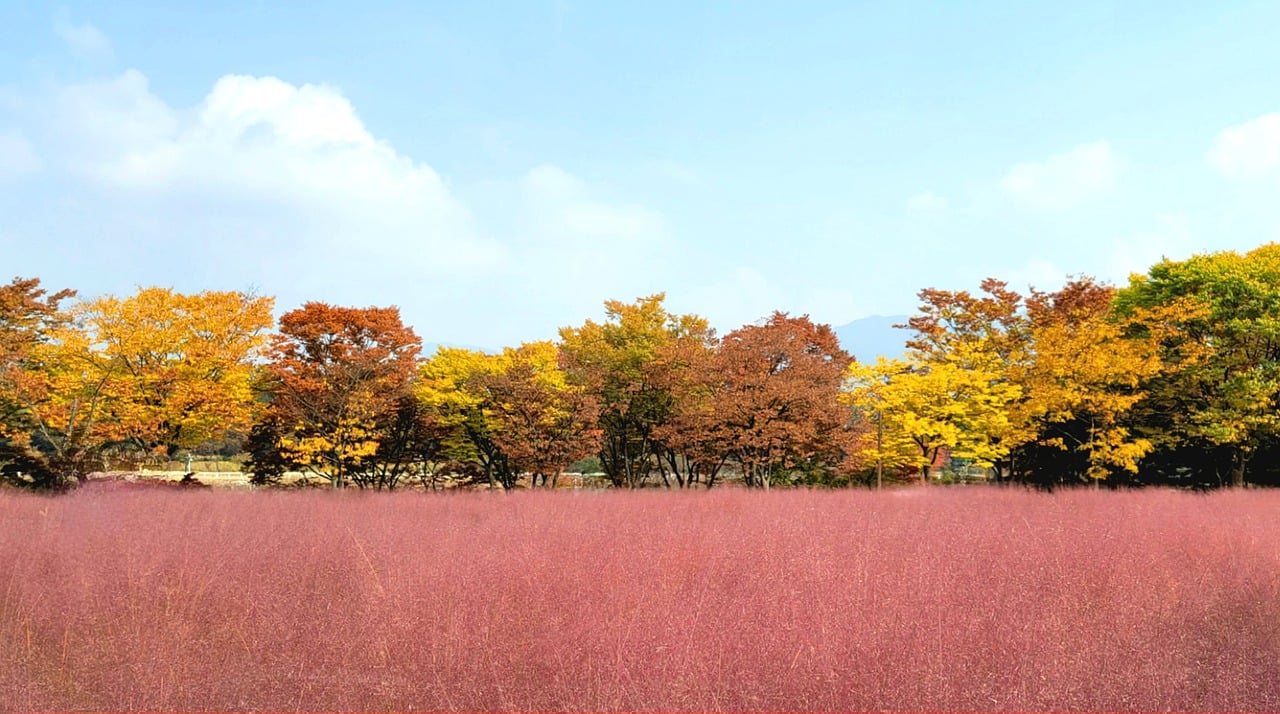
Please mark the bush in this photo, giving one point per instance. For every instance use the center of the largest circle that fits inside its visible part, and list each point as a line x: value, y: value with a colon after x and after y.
x: 589, y: 465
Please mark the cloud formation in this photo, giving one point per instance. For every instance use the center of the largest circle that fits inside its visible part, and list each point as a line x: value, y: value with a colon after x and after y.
x: 267, y: 183
x: 1064, y: 180
x: 83, y: 39
x: 1250, y: 150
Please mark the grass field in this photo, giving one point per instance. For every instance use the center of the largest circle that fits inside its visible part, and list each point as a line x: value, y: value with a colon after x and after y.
x: 964, y: 598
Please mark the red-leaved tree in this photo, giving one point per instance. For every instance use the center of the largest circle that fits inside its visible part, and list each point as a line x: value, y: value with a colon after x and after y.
x: 772, y: 401
x: 339, y: 381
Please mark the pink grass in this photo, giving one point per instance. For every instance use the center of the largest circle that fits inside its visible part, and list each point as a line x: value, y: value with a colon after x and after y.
x: 956, y: 599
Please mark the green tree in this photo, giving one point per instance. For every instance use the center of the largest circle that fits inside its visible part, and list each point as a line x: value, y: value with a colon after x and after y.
x: 1217, y: 320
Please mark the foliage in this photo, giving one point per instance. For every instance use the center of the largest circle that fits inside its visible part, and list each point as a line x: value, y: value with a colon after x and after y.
x: 1012, y: 382
x: 1174, y: 379
x: 29, y: 315
x: 692, y: 437
x: 158, y: 371
x: 776, y: 408
x: 453, y: 387
x: 181, y: 366
x: 339, y: 379
x: 542, y: 422
x: 1217, y: 318
x: 927, y: 409
x: 617, y: 363
x: 1084, y: 378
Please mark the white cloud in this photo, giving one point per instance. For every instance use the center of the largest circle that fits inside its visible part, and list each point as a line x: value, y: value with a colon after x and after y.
x: 1043, y: 275
x: 581, y: 248
x: 1064, y: 180
x: 301, y: 153
x: 927, y: 201
x: 1250, y: 150
x: 742, y: 296
x: 83, y: 39
x: 282, y: 186
x: 562, y: 206
x: 1170, y: 238
x: 18, y: 157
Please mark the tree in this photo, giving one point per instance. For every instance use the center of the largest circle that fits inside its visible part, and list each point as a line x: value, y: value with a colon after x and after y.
x: 1081, y: 383
x: 156, y: 372
x: 542, y: 422
x: 29, y: 316
x: 776, y: 406
x: 453, y: 386
x: 268, y: 460
x: 986, y: 335
x: 1217, y: 320
x: 616, y: 362
x: 182, y: 365
x: 924, y: 408
x: 691, y: 437
x: 338, y: 379
x: 1062, y: 369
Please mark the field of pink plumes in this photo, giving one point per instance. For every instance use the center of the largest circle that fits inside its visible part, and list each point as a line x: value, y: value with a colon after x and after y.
x: 970, y: 599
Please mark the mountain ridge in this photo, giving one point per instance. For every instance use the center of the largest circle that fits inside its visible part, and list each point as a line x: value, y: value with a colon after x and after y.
x: 874, y: 336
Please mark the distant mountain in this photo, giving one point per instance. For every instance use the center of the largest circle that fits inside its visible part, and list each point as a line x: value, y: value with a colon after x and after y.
x: 873, y: 337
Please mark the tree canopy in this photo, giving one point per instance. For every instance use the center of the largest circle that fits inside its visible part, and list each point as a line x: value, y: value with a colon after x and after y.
x: 1171, y: 379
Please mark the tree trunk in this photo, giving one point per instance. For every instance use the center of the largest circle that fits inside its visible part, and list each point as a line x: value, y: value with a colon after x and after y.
x: 1239, y: 461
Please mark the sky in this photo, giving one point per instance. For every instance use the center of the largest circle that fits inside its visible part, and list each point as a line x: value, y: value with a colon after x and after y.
x: 499, y: 170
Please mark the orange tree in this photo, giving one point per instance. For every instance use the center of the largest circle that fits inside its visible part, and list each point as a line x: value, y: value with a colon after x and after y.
x: 542, y: 422
x: 29, y: 315
x: 691, y: 436
x: 339, y: 383
x: 775, y: 405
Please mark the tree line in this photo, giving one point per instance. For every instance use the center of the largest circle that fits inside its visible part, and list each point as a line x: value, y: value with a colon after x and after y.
x: 1173, y: 379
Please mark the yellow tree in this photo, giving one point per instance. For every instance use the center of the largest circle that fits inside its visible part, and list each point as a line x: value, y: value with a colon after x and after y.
x: 158, y: 371
x: 181, y: 366
x: 1077, y: 367
x: 453, y: 387
x: 1083, y: 379
x: 923, y: 408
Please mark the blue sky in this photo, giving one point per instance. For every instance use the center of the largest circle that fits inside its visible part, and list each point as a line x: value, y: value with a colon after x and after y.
x: 498, y: 170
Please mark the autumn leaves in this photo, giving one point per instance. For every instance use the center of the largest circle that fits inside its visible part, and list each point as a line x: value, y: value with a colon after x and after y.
x: 1172, y: 379
x: 1013, y: 384
x: 154, y: 373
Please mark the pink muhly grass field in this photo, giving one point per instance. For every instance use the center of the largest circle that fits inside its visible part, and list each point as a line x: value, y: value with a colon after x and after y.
x: 951, y: 599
